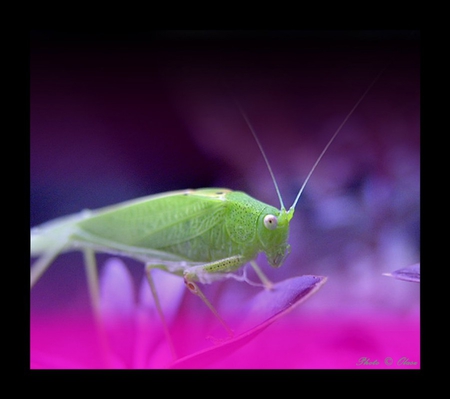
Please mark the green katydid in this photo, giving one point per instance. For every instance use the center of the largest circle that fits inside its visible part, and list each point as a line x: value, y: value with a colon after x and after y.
x: 202, y: 235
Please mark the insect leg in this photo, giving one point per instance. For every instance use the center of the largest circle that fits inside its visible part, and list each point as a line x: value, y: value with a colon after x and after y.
x: 211, y: 271
x: 267, y: 283
x: 42, y: 264
x: 92, y: 280
x: 148, y: 273
x: 94, y: 293
x: 207, y: 273
x: 193, y: 287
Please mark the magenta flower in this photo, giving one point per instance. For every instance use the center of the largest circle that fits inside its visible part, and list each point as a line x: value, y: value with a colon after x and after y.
x: 134, y: 337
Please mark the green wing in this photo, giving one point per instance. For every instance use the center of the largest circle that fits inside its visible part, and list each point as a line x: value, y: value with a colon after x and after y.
x: 159, y: 221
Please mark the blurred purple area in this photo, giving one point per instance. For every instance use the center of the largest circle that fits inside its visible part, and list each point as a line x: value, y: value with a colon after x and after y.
x: 114, y: 117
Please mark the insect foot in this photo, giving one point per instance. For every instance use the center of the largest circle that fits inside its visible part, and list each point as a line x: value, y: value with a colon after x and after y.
x: 268, y: 285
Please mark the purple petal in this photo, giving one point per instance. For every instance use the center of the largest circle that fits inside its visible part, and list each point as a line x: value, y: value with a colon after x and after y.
x: 116, y: 290
x: 118, y: 309
x: 410, y: 273
x: 265, y: 308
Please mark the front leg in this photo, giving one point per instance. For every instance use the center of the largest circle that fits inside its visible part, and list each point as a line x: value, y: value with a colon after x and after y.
x: 206, y: 274
x: 212, y: 271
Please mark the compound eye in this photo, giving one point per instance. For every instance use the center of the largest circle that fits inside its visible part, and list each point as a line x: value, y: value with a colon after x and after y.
x: 271, y: 222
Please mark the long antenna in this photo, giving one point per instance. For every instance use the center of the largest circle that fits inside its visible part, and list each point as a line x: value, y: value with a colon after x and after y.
x: 332, y: 139
x: 262, y: 152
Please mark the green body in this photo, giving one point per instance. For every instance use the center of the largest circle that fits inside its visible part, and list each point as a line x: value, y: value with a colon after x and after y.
x: 176, y: 230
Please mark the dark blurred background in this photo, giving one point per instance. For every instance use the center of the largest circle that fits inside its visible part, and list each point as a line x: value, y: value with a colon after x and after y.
x: 115, y: 116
